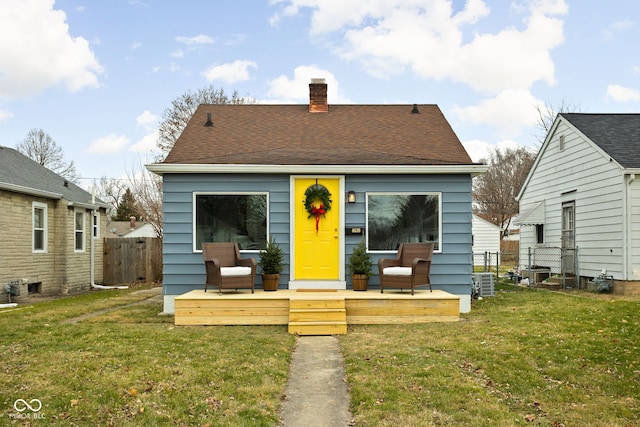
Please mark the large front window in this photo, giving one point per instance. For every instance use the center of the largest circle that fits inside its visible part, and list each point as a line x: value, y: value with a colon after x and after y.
x: 240, y: 218
x: 394, y: 218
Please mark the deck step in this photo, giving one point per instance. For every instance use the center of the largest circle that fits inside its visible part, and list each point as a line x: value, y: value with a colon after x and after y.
x: 318, y: 328
x: 317, y: 314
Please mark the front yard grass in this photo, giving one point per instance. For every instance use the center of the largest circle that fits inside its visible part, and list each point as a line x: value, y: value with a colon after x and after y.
x: 524, y: 357
x: 131, y: 367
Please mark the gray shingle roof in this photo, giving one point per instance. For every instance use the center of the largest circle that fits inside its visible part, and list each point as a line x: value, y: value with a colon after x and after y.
x: 19, y: 172
x: 617, y: 134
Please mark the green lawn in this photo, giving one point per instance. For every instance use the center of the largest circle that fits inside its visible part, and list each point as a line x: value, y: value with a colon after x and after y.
x: 133, y: 367
x: 523, y: 357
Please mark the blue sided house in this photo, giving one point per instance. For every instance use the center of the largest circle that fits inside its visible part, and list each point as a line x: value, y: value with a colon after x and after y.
x: 385, y: 174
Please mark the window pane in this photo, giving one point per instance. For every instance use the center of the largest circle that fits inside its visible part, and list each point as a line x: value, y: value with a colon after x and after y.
x: 38, y: 240
x: 38, y: 218
x: 79, y: 233
x: 397, y: 218
x: 232, y: 218
x: 79, y: 220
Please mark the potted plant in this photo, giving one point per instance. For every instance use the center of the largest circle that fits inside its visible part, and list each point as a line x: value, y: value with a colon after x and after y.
x: 360, y: 265
x: 271, y: 265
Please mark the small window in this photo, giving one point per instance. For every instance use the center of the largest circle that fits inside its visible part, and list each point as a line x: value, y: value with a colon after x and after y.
x: 540, y: 234
x: 96, y: 226
x: 240, y: 218
x: 561, y: 142
x: 393, y: 218
x: 79, y: 231
x: 39, y: 227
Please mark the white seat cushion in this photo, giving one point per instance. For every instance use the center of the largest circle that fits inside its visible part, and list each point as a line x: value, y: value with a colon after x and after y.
x: 235, y: 271
x: 397, y: 271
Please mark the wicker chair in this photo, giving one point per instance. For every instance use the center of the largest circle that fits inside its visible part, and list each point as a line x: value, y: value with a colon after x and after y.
x: 225, y: 269
x: 410, y: 269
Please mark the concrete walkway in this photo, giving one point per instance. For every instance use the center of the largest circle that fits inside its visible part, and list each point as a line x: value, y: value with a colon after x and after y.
x: 316, y: 394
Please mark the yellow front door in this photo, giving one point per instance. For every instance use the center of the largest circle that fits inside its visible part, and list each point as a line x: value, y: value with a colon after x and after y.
x: 317, y: 238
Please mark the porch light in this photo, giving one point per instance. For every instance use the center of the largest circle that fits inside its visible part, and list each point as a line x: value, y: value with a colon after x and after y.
x: 351, y: 197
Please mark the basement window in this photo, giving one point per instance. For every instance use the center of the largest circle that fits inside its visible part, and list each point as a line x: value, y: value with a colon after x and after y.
x: 394, y: 218
x: 231, y: 217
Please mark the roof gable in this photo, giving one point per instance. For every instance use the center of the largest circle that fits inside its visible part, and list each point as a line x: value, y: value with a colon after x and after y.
x: 614, y: 135
x: 618, y: 135
x: 345, y: 135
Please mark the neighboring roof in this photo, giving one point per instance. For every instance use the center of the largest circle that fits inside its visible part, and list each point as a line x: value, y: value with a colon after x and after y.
x: 346, y: 135
x: 123, y: 229
x: 616, y: 134
x: 20, y: 174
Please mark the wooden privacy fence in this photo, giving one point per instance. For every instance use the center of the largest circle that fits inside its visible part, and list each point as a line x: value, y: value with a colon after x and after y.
x: 130, y: 260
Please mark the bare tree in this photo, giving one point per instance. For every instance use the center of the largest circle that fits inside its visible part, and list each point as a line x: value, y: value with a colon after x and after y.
x: 175, y: 117
x: 495, y: 191
x: 547, y: 115
x: 110, y: 190
x: 146, y: 188
x: 40, y: 147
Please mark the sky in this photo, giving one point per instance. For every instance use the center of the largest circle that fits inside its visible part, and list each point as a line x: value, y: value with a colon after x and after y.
x: 97, y: 75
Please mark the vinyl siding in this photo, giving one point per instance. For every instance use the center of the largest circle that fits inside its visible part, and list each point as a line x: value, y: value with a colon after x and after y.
x: 486, y: 236
x: 581, y: 173
x: 184, y: 269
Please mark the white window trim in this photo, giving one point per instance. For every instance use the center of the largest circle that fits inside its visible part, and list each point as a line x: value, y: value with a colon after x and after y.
x: 45, y: 228
x: 75, y: 230
x: 223, y: 193
x: 404, y: 193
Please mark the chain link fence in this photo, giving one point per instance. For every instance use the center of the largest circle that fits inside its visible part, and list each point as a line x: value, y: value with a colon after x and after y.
x: 549, y: 267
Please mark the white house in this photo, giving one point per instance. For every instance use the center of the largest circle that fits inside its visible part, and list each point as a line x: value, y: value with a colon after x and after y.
x: 486, y: 238
x: 583, y: 191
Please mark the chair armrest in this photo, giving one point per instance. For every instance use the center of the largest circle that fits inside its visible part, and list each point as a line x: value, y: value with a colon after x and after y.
x: 246, y: 262
x: 387, y: 262
x: 214, y: 262
x: 419, y: 260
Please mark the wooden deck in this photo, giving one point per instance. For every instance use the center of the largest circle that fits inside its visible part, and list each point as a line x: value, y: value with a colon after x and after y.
x: 315, y: 312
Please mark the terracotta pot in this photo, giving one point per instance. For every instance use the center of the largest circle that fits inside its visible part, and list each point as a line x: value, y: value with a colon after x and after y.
x: 270, y: 282
x: 360, y: 282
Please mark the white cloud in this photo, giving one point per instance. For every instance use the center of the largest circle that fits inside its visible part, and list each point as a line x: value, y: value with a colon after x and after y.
x: 283, y: 90
x: 5, y: 115
x: 147, y: 119
x: 480, y: 150
x: 623, y: 94
x: 233, y: 72
x: 508, y: 112
x: 108, y: 144
x: 196, y: 40
x: 147, y: 144
x: 614, y: 28
x: 430, y: 39
x: 38, y: 50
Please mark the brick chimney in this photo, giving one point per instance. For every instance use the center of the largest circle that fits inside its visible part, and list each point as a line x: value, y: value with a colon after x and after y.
x: 318, y: 96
